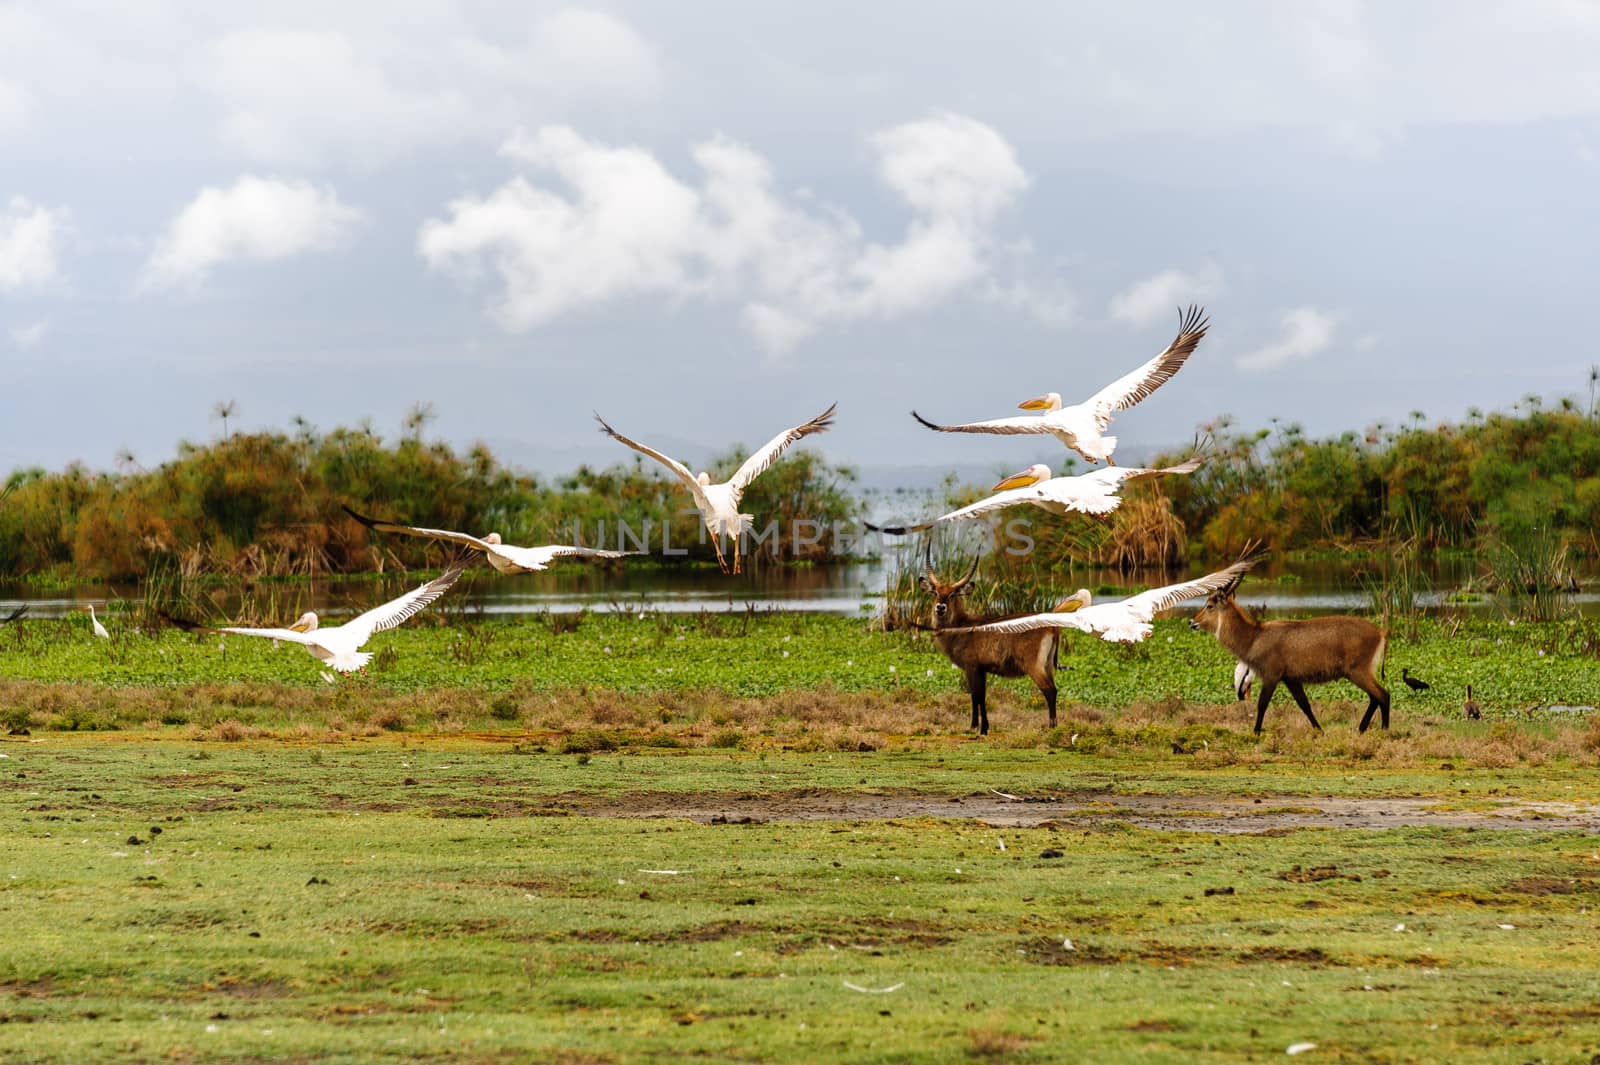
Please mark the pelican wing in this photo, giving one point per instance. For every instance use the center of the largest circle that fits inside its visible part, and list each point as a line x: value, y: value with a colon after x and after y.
x: 669, y: 462
x: 570, y: 551
x: 1114, y: 476
x: 1146, y: 604
x: 412, y: 530
x: 1129, y: 389
x: 1009, y: 498
x: 536, y: 558
x: 1134, y: 610
x: 1027, y: 424
x: 395, y: 611
x: 15, y: 614
x: 291, y: 635
x: 766, y: 456
x: 1077, y: 619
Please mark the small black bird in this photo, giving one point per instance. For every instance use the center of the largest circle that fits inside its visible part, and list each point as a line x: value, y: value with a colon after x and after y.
x: 1473, y: 711
x: 1413, y: 683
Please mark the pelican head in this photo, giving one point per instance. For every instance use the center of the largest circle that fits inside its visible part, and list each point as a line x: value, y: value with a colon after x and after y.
x: 492, y: 538
x: 1076, y: 601
x: 1032, y: 475
x: 307, y: 623
x: 704, y: 478
x: 1048, y: 401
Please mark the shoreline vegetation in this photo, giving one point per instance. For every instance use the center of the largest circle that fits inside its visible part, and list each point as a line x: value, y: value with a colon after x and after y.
x: 758, y: 679
x: 1518, y: 489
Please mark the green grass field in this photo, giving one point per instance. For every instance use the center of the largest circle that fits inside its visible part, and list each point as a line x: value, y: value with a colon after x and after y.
x: 450, y: 858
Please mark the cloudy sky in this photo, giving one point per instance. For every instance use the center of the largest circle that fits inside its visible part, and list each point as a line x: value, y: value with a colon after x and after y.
x: 709, y: 221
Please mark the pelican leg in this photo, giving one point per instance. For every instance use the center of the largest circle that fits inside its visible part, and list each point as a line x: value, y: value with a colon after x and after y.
x: 716, y: 543
x: 737, y: 554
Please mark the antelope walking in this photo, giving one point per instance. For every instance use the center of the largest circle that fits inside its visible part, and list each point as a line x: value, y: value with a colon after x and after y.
x: 1297, y: 653
x: 977, y: 654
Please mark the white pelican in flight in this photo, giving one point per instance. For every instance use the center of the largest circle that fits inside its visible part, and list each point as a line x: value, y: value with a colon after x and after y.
x: 1082, y: 426
x: 1125, y: 621
x: 1095, y: 492
x: 339, y: 646
x: 719, y: 503
x: 507, y: 558
x: 99, y: 629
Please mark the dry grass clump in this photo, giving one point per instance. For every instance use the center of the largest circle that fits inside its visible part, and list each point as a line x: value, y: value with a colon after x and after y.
x: 991, y: 1043
x: 1144, y: 533
x: 1210, y: 735
x: 229, y: 731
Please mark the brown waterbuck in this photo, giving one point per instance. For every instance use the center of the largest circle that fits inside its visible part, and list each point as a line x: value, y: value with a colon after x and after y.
x: 977, y: 654
x: 1297, y: 653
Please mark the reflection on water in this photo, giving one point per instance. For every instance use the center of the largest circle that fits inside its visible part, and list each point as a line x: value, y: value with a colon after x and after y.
x: 1287, y: 588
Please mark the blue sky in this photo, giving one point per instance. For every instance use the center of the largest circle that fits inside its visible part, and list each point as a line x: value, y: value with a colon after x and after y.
x: 708, y: 222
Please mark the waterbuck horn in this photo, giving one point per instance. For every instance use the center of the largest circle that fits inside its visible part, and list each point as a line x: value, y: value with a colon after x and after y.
x: 927, y: 559
x: 972, y: 571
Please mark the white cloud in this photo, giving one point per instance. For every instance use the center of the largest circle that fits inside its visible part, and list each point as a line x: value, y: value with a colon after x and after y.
x: 1306, y: 331
x: 574, y: 51
x: 30, y: 238
x: 297, y: 96
x: 14, y: 105
x: 255, y: 218
x: 629, y: 227
x: 1154, y: 298
x: 28, y: 337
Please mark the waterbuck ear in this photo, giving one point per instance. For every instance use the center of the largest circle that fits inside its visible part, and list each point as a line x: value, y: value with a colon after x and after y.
x: 928, y: 585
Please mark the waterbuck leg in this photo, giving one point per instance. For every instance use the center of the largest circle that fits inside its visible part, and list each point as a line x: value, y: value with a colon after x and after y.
x: 1043, y: 673
x: 1267, y: 688
x: 1377, y: 699
x: 1298, y: 690
x: 976, y: 684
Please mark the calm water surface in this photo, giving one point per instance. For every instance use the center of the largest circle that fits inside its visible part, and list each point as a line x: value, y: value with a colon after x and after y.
x: 857, y: 590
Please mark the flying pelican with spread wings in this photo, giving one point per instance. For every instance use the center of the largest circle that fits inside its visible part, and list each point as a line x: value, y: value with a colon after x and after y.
x: 1082, y: 426
x: 1095, y: 492
x: 507, y: 558
x: 339, y: 646
x: 719, y: 503
x: 1125, y: 621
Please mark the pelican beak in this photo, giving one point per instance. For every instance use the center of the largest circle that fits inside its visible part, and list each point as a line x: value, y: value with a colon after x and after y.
x: 1016, y: 480
x: 1076, y: 601
x: 1036, y: 403
x: 303, y: 625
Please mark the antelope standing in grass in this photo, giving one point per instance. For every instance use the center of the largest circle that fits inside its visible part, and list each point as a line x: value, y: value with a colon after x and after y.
x: 1297, y: 653
x: 977, y: 654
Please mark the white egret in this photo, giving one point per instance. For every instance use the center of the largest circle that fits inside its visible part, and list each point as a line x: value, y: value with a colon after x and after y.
x: 1082, y: 426
x: 1125, y: 621
x: 719, y: 503
x: 99, y: 629
x: 507, y: 558
x: 339, y: 646
x: 1095, y: 492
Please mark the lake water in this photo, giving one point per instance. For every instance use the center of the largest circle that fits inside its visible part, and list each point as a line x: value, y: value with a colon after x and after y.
x: 856, y: 590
